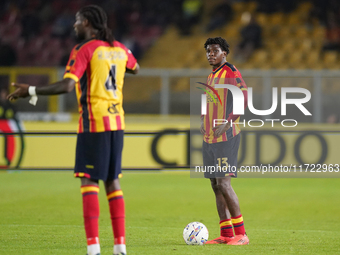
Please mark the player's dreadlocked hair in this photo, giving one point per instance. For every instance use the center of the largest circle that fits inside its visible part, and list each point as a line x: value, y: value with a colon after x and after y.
x: 98, y: 19
x: 218, y: 40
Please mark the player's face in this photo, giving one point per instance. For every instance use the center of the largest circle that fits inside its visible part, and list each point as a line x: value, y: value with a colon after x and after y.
x: 79, y: 27
x: 215, y: 55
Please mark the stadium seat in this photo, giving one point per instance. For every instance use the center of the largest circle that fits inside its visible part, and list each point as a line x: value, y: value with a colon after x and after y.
x: 330, y: 60
x: 304, y: 7
x: 251, y: 6
x: 296, y: 60
x: 279, y: 60
x: 294, y: 19
x: 232, y: 32
x: 318, y: 33
x: 239, y: 7
x: 305, y: 45
x: 11, y: 33
x: 313, y: 60
x: 276, y: 19
x: 36, y: 44
x: 289, y: 45
x: 259, y: 57
x: 284, y: 32
x: 271, y: 44
x: 268, y: 32
x: 301, y: 32
x: 262, y: 19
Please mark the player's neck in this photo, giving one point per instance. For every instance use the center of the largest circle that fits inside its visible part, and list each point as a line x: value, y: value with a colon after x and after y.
x: 214, y: 67
x: 90, y: 34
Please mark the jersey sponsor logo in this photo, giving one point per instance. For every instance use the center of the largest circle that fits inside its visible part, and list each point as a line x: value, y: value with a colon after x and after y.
x: 113, y: 109
x: 211, y: 97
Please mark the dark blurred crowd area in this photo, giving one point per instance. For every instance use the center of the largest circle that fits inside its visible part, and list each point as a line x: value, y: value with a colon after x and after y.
x: 40, y: 32
x: 327, y: 12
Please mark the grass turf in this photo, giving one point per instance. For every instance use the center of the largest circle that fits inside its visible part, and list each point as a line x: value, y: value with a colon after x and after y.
x: 41, y: 213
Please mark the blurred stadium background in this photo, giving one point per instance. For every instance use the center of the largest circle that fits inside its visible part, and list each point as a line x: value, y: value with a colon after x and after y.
x: 299, y: 46
x: 301, y: 37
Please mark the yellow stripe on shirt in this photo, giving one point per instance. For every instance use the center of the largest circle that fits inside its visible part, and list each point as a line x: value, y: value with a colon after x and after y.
x: 71, y: 76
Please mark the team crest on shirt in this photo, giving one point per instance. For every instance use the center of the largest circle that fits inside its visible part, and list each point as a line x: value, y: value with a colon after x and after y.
x: 113, y: 109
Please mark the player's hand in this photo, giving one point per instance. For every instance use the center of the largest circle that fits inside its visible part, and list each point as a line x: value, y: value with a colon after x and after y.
x: 21, y: 91
x: 202, y: 130
x: 221, y: 129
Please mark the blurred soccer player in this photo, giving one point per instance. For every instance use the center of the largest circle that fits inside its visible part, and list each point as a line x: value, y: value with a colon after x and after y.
x: 221, y: 143
x: 96, y: 70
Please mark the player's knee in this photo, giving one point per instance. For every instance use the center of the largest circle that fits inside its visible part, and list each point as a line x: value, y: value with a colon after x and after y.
x: 112, y: 185
x: 214, y: 185
x: 223, y: 184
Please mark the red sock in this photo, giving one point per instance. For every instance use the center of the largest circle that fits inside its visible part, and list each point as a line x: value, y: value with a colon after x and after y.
x: 91, y: 212
x: 226, y: 228
x: 117, y: 210
x: 238, y: 225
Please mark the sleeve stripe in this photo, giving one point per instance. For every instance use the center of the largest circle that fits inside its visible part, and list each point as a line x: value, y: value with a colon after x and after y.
x: 72, y: 76
x: 134, y: 66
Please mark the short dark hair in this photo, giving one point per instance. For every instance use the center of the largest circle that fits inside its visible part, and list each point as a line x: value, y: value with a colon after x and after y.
x: 98, y: 19
x: 220, y: 41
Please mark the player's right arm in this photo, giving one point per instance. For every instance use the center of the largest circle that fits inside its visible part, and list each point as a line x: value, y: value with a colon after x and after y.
x: 64, y: 86
x: 74, y: 70
x: 202, y: 130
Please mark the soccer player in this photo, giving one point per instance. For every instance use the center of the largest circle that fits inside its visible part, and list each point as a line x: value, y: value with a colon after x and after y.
x: 221, y: 142
x: 96, y: 70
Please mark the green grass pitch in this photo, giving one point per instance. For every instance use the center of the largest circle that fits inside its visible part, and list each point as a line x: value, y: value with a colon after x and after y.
x: 41, y: 213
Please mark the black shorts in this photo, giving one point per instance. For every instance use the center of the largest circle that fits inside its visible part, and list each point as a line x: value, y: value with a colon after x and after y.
x: 220, y: 159
x: 99, y: 155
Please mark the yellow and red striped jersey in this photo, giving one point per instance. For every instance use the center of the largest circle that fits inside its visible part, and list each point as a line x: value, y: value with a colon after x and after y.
x: 225, y: 74
x: 99, y: 71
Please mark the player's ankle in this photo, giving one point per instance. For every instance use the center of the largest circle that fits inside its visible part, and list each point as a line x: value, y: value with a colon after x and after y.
x: 119, y: 249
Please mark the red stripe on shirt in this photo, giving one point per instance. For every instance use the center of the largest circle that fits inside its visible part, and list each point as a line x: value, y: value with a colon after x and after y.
x: 215, y: 109
x: 224, y: 136
x: 207, y: 124
x: 119, y: 122
x: 81, y: 128
x: 207, y: 117
x: 106, y: 121
x: 92, y: 121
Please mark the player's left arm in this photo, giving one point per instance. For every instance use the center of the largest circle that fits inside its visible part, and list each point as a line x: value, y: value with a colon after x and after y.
x: 64, y: 86
x: 232, y: 117
x: 131, y: 65
x: 133, y: 71
x: 221, y: 129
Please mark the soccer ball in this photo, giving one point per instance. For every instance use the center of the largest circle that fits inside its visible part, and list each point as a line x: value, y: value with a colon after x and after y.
x: 195, y: 233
